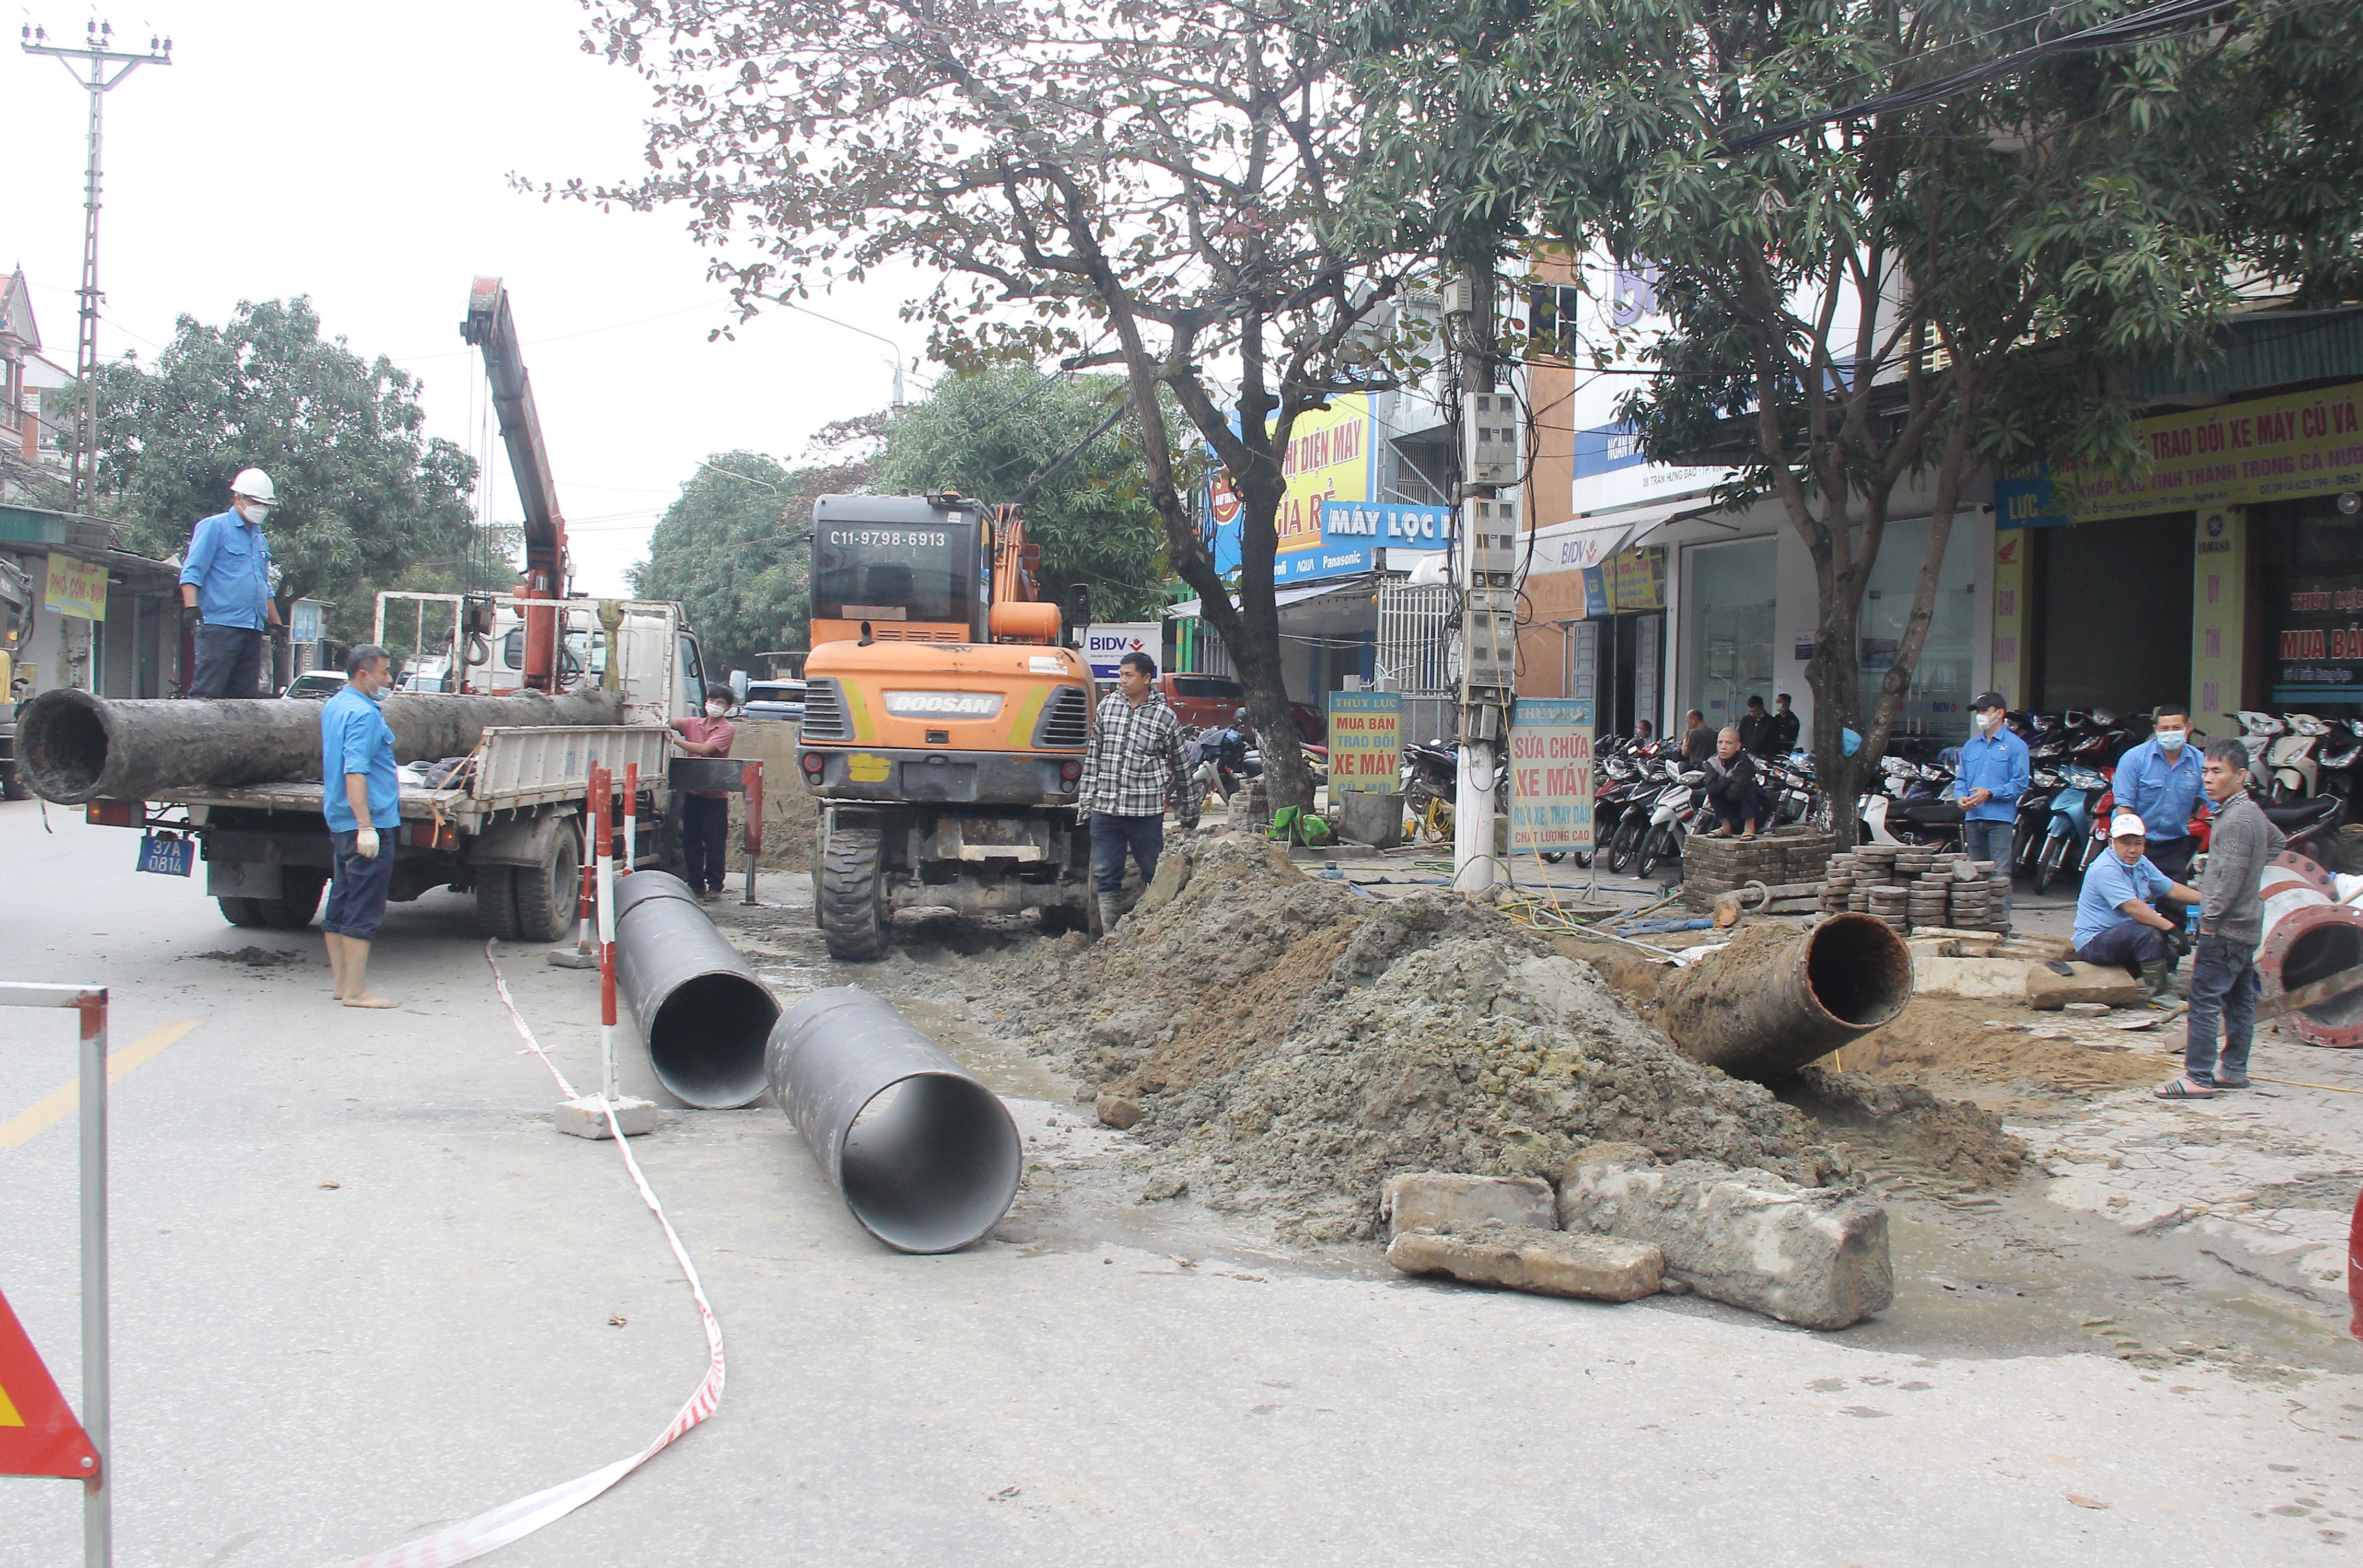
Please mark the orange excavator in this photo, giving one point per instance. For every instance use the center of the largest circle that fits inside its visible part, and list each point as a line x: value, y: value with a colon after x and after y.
x: 945, y: 721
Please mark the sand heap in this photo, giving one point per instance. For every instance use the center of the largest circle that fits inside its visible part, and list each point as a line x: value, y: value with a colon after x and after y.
x: 1290, y: 1043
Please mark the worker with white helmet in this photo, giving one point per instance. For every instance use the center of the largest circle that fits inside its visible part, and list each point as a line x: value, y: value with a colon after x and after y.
x: 226, y: 580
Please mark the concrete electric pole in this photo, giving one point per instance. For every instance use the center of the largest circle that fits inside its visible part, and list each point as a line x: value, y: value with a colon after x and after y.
x: 1492, y: 433
x: 99, y: 67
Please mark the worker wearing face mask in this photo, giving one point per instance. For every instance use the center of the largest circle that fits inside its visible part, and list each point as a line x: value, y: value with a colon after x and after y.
x: 2159, y: 781
x: 1994, y: 775
x: 226, y: 579
x: 705, y: 813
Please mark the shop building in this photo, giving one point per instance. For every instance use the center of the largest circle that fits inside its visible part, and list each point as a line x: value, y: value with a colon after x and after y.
x: 82, y: 612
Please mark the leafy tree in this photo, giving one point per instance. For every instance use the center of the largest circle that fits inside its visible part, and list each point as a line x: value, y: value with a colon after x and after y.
x: 736, y: 549
x: 1152, y: 183
x: 994, y: 433
x: 1868, y: 302
x: 363, y: 497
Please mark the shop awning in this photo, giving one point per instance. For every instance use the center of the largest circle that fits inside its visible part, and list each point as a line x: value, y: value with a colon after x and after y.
x: 1358, y: 583
x: 1643, y: 521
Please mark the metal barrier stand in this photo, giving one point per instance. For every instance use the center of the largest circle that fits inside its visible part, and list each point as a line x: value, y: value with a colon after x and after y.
x: 97, y: 1505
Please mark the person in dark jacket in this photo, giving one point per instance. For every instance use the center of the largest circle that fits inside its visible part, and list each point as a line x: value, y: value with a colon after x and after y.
x: 1698, y: 741
x: 2231, y: 920
x: 1778, y: 735
x: 1752, y: 727
x: 1731, y: 792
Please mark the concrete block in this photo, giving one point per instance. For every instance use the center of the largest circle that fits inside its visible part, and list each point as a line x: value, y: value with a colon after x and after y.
x: 1435, y: 1200
x: 1172, y: 876
x: 1804, y: 1255
x: 1367, y: 817
x: 1548, y: 1263
x: 1115, y: 1111
x: 2047, y: 992
x: 583, y: 1119
x: 2001, y: 978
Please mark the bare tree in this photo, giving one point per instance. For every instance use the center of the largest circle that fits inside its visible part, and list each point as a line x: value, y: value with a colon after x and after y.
x: 1141, y: 182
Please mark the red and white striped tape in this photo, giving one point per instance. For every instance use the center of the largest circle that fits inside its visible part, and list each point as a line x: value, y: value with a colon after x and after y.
x: 496, y: 1528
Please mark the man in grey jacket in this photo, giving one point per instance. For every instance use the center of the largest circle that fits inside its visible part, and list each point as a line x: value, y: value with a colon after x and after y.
x: 2231, y: 922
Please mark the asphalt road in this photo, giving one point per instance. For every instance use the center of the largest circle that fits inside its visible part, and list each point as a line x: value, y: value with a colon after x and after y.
x: 363, y: 1290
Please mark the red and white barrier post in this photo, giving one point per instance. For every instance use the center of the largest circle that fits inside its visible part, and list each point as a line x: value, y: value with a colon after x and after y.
x: 599, y: 1115
x: 631, y: 817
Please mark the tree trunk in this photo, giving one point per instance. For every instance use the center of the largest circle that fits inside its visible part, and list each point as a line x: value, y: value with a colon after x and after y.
x: 1835, y: 677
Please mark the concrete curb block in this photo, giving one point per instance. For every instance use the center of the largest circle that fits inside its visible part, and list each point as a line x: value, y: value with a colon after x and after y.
x: 1804, y: 1255
x: 1546, y: 1262
x: 1434, y: 1200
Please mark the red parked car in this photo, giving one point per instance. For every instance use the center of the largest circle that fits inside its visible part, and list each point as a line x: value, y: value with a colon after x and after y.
x: 1208, y: 701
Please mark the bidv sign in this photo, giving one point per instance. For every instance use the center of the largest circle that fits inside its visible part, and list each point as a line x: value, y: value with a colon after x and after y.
x: 1104, y: 646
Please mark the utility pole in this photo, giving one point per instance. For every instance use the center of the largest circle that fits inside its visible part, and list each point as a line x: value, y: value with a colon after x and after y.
x: 1489, y: 471
x: 100, y: 68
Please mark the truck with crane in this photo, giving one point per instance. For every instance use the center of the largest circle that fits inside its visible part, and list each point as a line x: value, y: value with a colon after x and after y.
x: 566, y: 683
x: 945, y: 721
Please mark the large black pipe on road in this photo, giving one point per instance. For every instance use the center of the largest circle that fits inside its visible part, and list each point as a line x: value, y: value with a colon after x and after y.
x: 924, y: 1156
x: 72, y: 747
x: 705, y: 1015
x: 1763, y: 1011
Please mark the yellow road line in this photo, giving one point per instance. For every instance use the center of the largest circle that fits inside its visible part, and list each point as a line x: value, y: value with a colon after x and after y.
x: 21, y: 1129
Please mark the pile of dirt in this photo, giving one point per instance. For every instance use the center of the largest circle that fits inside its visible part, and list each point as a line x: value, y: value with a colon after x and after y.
x: 1907, y: 1133
x: 255, y: 958
x: 1943, y: 1040
x: 1290, y: 1043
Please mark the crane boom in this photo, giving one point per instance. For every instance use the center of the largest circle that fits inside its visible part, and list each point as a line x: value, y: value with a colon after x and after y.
x: 549, y: 567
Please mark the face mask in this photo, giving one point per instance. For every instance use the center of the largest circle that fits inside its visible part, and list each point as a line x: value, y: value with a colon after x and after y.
x: 715, y: 709
x: 2169, y: 741
x: 1990, y: 722
x: 255, y: 511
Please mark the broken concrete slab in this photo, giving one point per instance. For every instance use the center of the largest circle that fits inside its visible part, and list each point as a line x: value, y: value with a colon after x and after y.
x: 1548, y: 1263
x: 1115, y: 1111
x: 1806, y: 1255
x: 1437, y: 1200
x: 1172, y: 876
x: 2048, y: 991
x: 1950, y: 976
x: 587, y: 1117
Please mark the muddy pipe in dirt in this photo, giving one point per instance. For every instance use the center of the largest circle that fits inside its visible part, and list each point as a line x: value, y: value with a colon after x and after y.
x: 1763, y: 1007
x: 924, y: 1156
x: 72, y: 747
x: 703, y: 1012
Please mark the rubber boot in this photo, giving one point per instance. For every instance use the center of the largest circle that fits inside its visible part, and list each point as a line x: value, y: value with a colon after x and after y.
x: 2154, y: 981
x: 1111, y: 911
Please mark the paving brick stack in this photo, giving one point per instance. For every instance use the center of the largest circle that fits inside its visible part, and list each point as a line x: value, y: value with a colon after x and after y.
x: 1973, y: 902
x: 1839, y: 885
x: 1927, y: 898
x: 1712, y: 867
x: 1890, y: 905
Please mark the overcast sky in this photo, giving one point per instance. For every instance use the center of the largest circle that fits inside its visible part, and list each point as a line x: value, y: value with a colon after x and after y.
x: 361, y: 155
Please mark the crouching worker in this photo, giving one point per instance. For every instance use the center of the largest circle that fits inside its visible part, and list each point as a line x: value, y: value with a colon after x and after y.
x: 362, y: 801
x: 1732, y: 795
x: 2114, y: 923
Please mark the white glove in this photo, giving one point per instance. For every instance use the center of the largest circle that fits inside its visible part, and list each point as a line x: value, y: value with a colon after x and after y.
x: 366, y: 842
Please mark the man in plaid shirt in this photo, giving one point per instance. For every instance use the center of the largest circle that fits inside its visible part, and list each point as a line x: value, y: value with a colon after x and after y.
x: 1134, y: 762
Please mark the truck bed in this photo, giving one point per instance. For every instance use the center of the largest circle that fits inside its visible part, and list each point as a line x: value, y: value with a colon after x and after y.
x: 516, y: 769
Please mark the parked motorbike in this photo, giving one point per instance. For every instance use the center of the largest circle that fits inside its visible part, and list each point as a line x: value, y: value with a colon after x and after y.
x: 2082, y: 799
x: 1913, y: 806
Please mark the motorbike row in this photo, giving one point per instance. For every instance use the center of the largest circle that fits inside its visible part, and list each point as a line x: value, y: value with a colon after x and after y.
x: 2303, y: 769
x: 2300, y: 768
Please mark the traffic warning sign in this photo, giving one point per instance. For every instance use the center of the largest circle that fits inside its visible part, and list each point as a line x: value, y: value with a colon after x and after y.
x: 38, y: 1436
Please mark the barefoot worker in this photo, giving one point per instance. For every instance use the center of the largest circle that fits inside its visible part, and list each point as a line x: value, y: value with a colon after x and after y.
x: 362, y: 801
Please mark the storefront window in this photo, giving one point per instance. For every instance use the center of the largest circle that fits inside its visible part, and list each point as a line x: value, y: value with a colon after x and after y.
x: 1937, y: 701
x: 2313, y: 605
x: 1726, y: 614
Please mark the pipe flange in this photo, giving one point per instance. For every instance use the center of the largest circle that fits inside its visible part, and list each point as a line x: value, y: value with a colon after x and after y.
x: 2338, y: 1022
x: 2312, y: 873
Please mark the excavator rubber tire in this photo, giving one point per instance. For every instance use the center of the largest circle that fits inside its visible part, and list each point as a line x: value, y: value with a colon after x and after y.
x: 549, y: 896
x: 854, y: 893
x: 497, y: 914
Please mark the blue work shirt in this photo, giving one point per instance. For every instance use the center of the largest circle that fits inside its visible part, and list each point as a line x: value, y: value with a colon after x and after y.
x: 355, y: 738
x: 229, y: 561
x: 1998, y: 765
x: 2109, y: 885
x: 2161, y: 793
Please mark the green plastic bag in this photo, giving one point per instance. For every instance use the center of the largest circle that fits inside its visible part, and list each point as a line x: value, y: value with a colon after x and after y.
x: 1294, y: 825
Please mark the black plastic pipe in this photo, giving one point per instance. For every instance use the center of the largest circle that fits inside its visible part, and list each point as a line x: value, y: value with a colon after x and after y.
x: 701, y: 1009
x: 72, y: 747
x: 924, y: 1156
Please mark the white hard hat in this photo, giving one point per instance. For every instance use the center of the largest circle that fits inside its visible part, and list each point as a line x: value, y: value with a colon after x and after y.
x: 254, y: 484
x: 2126, y: 824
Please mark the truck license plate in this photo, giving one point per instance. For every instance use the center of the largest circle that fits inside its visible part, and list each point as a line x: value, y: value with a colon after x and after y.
x: 166, y: 855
